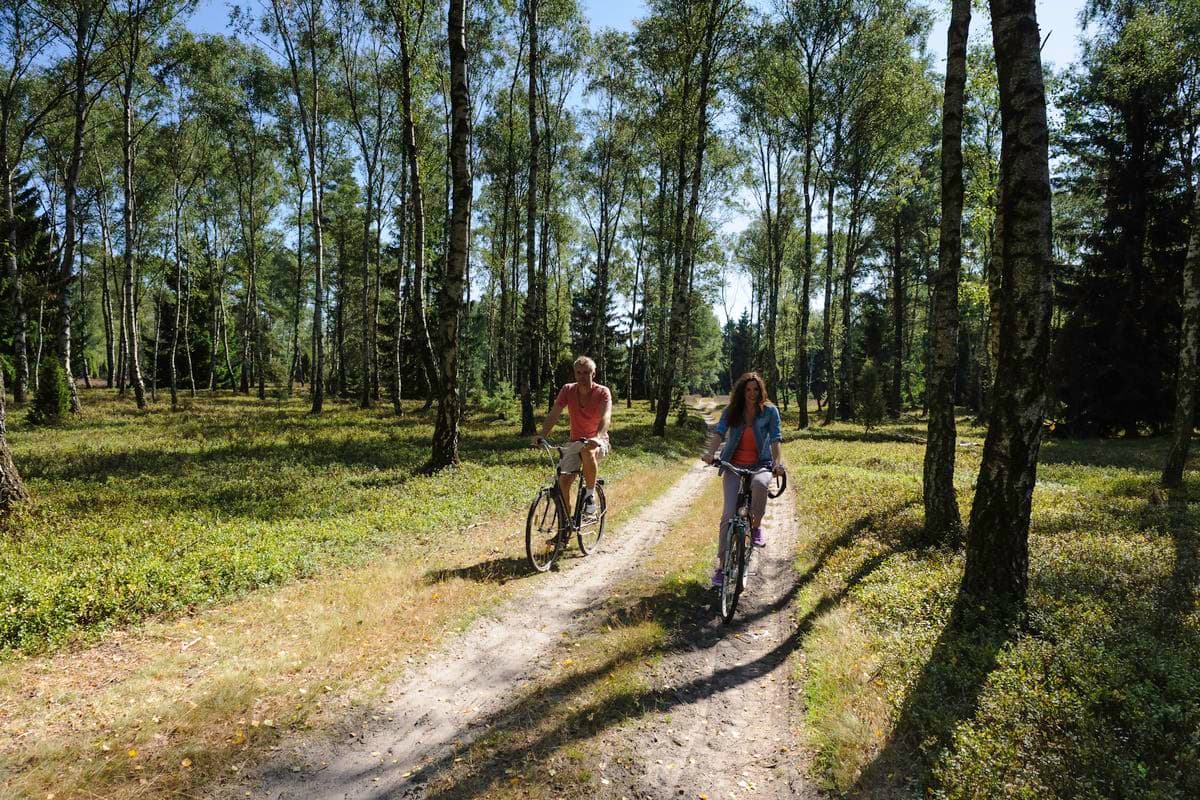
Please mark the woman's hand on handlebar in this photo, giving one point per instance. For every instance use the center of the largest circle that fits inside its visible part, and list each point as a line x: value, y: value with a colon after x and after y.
x: 778, y: 470
x: 708, y: 458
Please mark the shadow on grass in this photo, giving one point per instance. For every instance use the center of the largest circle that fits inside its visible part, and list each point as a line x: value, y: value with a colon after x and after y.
x: 496, y: 570
x: 946, y: 693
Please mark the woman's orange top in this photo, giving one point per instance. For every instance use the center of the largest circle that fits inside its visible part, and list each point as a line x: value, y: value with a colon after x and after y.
x: 747, y: 448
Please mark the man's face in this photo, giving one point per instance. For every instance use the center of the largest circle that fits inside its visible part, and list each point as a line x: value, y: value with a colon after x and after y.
x: 584, y: 374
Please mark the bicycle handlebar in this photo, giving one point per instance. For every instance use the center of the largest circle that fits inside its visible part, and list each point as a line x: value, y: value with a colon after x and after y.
x: 754, y: 471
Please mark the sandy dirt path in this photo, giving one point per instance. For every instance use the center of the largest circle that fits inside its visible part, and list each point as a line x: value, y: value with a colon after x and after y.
x: 445, y: 701
x: 729, y: 727
x: 728, y: 730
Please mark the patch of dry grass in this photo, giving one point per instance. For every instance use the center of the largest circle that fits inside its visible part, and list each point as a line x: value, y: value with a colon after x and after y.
x: 163, y: 709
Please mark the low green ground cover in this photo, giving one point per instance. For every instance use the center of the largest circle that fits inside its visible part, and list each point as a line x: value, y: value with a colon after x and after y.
x: 136, y: 514
x: 1097, y: 695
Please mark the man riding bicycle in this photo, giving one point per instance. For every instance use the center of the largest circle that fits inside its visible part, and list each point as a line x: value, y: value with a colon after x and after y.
x: 589, y: 405
x: 750, y: 428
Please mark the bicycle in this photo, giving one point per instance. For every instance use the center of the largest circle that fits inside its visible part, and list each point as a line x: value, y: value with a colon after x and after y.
x: 548, y: 527
x: 735, y: 538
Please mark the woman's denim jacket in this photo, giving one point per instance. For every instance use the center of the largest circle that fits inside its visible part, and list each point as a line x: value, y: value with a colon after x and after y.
x: 767, y: 430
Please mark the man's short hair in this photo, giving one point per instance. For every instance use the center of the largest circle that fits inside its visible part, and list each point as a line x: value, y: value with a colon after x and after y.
x: 586, y: 362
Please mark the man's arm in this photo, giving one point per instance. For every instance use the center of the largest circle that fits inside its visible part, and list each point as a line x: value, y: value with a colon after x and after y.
x: 549, y: 423
x: 605, y: 420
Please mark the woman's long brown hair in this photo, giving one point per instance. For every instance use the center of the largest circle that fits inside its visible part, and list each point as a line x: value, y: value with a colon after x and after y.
x: 737, y: 398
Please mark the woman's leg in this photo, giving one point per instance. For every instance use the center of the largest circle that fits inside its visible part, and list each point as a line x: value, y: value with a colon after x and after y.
x: 731, y: 484
x: 759, y: 486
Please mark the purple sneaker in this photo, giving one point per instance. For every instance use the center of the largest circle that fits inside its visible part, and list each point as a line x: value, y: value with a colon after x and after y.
x: 718, y: 578
x: 757, y: 538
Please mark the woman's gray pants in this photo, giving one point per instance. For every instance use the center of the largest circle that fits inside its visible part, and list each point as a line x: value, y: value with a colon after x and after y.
x: 759, y: 484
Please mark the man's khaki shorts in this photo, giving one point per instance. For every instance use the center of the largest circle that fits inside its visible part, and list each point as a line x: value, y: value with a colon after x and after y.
x: 571, y: 460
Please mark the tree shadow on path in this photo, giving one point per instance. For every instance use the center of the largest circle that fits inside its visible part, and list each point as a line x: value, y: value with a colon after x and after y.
x: 553, y: 716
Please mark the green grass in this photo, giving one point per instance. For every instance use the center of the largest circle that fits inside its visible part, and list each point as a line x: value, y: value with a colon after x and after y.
x: 1097, y: 695
x: 136, y: 514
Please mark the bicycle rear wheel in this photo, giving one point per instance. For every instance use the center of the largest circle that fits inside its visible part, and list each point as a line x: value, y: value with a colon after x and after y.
x: 735, y: 561
x: 544, y: 530
x: 591, y: 529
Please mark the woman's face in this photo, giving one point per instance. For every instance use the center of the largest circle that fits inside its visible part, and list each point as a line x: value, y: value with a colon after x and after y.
x: 752, y: 392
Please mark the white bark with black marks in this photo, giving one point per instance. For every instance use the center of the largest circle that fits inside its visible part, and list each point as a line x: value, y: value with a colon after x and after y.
x: 942, y: 520
x: 997, y: 553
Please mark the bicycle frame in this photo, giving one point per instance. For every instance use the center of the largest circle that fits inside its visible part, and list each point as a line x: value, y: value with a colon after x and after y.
x: 576, y: 516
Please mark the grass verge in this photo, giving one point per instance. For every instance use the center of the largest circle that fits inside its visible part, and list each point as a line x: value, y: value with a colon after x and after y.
x: 136, y: 514
x: 164, y: 708
x: 1097, y: 696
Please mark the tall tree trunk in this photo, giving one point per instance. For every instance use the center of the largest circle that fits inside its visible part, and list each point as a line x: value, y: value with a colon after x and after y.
x: 450, y: 299
x: 681, y: 301
x: 401, y: 271
x: 997, y: 558
x: 417, y: 198
x: 364, y: 394
x: 898, y: 310
x: 802, y: 376
x: 1189, y: 351
x: 827, y: 322
x: 294, y: 365
x: 178, y: 310
x: 530, y: 376
x: 942, y: 520
x: 127, y: 211
x: 187, y: 339
x: 85, y: 24
x: 845, y: 392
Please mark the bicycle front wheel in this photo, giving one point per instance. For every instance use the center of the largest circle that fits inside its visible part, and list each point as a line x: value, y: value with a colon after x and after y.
x: 544, y: 530
x: 735, y: 564
x: 592, y: 528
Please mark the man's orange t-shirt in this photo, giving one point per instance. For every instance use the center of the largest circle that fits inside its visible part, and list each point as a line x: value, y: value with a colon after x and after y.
x: 585, y: 416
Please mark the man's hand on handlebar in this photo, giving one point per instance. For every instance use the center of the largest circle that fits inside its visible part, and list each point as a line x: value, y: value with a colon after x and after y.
x: 708, y: 458
x: 538, y: 440
x: 778, y: 470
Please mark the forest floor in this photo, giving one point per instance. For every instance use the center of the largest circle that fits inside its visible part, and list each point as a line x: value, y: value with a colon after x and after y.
x: 439, y: 668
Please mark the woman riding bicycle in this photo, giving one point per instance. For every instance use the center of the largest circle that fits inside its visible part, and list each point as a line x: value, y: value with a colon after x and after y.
x: 750, y: 429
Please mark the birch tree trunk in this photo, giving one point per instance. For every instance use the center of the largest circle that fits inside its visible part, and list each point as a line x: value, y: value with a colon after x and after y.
x: 1189, y: 350
x: 681, y: 298
x: 450, y: 298
x: 127, y: 210
x: 942, y: 520
x: 417, y: 199
x: 997, y: 557
x: 530, y: 376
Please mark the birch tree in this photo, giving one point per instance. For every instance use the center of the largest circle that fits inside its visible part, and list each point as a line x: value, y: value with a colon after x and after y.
x: 997, y: 558
x: 942, y: 521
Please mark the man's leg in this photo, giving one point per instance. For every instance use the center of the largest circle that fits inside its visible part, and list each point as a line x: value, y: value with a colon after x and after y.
x: 590, y: 466
x: 565, y: 482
